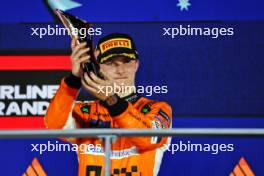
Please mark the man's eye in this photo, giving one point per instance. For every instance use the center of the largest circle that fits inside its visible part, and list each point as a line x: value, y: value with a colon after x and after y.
x: 127, y: 61
x: 109, y: 63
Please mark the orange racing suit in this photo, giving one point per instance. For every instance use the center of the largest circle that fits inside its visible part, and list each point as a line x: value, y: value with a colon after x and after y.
x: 134, y: 156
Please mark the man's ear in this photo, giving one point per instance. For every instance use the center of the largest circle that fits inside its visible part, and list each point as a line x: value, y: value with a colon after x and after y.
x: 136, y: 65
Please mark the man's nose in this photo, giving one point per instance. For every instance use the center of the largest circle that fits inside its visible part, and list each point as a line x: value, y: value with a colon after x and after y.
x: 120, y: 69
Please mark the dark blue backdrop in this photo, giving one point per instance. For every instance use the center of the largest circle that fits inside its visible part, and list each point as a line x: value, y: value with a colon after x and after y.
x: 211, y: 82
x: 205, y: 76
x: 157, y: 10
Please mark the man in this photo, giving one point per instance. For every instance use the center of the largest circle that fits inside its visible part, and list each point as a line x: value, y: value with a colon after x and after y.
x: 118, y: 58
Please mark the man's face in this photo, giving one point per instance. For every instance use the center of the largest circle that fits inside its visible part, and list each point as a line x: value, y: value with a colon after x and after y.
x: 121, y: 69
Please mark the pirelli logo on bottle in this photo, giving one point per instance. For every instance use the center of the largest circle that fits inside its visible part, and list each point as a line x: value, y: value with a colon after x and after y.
x: 115, y: 43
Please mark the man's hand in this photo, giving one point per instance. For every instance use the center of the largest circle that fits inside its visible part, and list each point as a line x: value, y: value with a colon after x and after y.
x: 99, y: 88
x: 79, y: 56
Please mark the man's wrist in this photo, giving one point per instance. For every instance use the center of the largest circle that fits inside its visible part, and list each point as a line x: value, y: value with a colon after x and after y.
x: 111, y: 100
x: 73, y: 81
x: 115, y: 105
